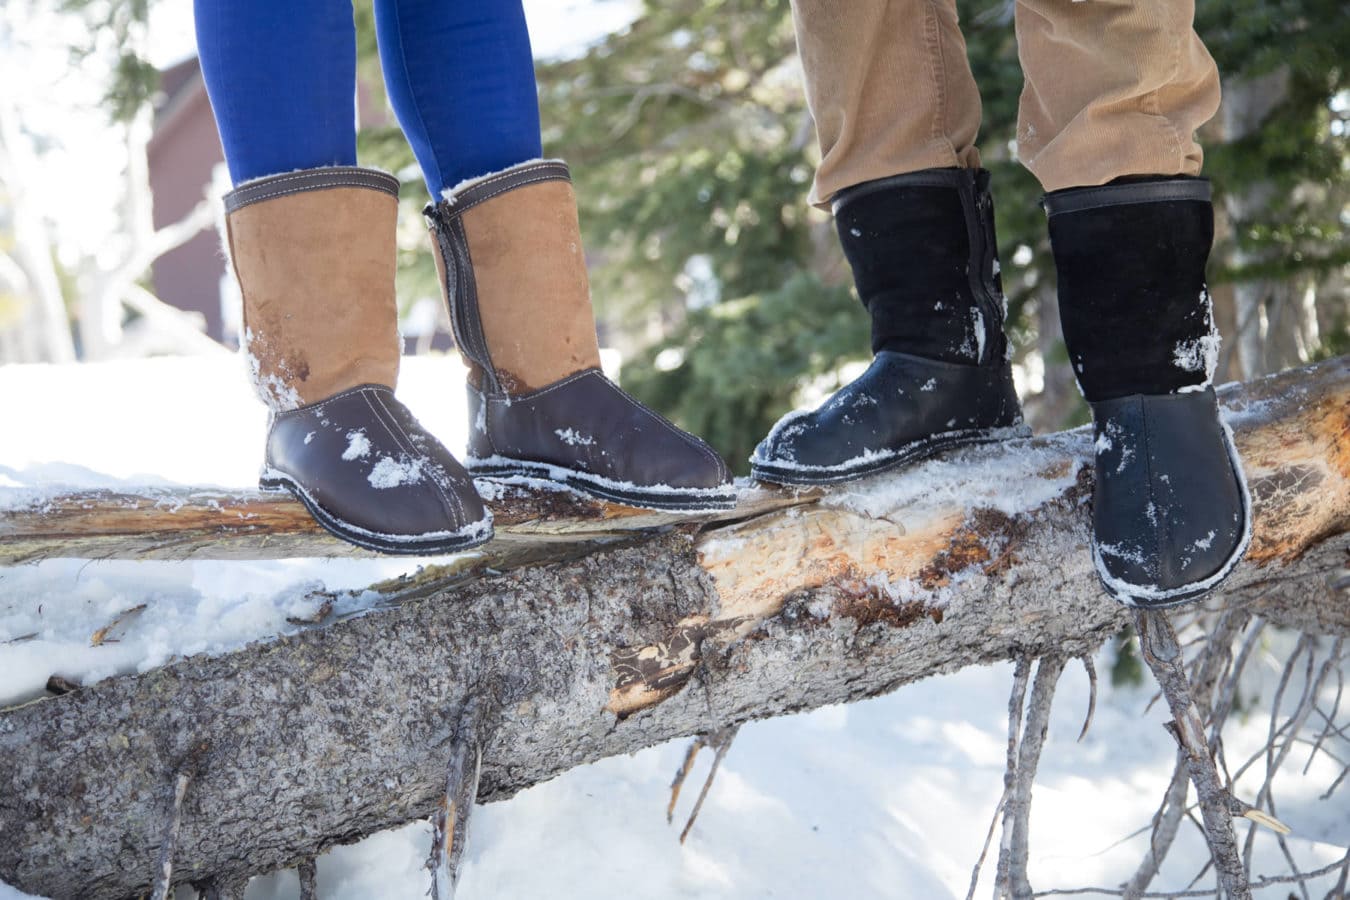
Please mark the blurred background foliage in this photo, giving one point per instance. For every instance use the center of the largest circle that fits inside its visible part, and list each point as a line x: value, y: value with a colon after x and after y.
x: 692, y: 152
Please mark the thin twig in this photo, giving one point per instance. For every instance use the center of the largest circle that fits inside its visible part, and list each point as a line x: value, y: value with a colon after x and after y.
x: 720, y: 742
x: 1329, y: 754
x: 1157, y: 641
x: 1015, y: 736
x: 450, y: 823
x: 1329, y: 728
x: 1338, y: 892
x: 1216, y: 659
x: 1335, y: 784
x: 1307, y: 702
x: 100, y: 637
x: 1257, y: 885
x: 681, y: 774
x: 1166, y: 823
x: 1293, y: 725
x: 1092, y: 693
x: 1209, y: 863
x: 1333, y: 659
x: 1214, y: 675
x: 1014, y: 852
x: 1016, y: 700
x: 309, y: 880
x: 1223, y: 704
x: 1289, y: 858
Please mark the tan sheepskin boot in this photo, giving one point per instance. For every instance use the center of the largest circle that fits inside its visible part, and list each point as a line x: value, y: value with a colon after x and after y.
x: 314, y: 254
x: 514, y: 273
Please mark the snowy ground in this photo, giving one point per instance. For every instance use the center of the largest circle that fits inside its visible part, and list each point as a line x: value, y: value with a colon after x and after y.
x: 889, y: 798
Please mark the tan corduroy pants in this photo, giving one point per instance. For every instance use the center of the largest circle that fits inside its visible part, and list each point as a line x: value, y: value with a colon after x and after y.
x: 1112, y: 88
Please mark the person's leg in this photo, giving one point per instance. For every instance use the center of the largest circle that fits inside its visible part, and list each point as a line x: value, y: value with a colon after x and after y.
x: 311, y: 239
x: 508, y: 245
x: 889, y: 88
x: 1113, y: 88
x: 1114, y: 92
x: 460, y: 76
x: 282, y: 83
x: 897, y: 114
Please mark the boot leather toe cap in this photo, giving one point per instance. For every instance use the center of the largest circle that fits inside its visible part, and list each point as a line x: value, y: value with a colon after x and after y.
x: 901, y: 402
x: 797, y: 439
x: 1171, y: 515
x: 586, y: 423
x: 364, y: 460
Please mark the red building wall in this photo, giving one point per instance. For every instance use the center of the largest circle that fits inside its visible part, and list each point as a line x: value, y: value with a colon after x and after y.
x: 182, y: 154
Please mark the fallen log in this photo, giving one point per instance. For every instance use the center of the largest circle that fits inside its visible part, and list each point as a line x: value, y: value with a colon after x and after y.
x: 331, y: 734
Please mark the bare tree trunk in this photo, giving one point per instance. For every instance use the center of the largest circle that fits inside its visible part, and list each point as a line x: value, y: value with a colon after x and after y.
x: 101, y: 308
x: 47, y: 335
x: 1246, y: 103
x: 1049, y: 409
x: 47, y: 327
x: 327, y: 735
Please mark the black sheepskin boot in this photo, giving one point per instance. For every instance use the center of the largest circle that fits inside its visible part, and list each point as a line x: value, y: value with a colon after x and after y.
x: 924, y: 260
x: 1171, y: 516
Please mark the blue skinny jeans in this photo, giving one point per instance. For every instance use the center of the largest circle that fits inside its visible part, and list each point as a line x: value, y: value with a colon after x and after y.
x: 281, y: 75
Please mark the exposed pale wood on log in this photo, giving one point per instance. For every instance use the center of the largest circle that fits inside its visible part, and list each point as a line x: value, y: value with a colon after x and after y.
x: 1297, y: 461
x: 328, y: 735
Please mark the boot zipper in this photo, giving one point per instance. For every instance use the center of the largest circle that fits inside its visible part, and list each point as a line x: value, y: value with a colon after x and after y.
x: 463, y: 321
x: 982, y: 253
x: 993, y: 280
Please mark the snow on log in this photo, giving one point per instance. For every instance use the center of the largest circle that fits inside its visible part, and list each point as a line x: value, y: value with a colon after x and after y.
x: 328, y: 735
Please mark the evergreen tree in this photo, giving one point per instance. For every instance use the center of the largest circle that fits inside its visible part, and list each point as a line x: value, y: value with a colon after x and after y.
x: 690, y: 142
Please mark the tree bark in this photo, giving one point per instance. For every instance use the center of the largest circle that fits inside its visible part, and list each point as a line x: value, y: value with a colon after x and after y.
x: 328, y: 735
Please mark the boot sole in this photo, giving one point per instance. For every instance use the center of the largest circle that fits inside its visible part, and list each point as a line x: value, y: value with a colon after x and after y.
x: 667, y: 500
x: 865, y: 466
x: 473, y: 535
x: 1148, y: 598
